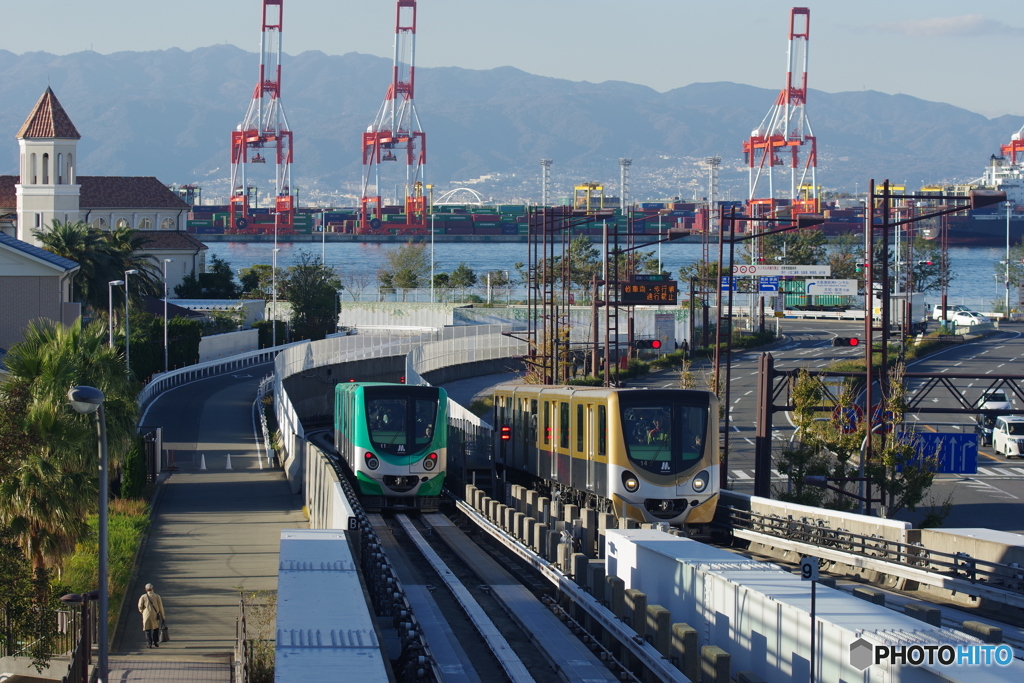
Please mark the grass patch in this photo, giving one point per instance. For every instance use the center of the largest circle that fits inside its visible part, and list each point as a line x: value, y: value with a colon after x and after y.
x: 126, y: 524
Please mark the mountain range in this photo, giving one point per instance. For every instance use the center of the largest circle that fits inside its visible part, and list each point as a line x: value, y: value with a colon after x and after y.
x: 169, y: 113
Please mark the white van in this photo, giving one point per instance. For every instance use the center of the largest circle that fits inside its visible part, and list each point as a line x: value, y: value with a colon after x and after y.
x: 990, y: 400
x: 1008, y: 436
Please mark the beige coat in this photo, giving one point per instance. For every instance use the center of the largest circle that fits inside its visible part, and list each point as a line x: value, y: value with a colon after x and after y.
x: 152, y: 609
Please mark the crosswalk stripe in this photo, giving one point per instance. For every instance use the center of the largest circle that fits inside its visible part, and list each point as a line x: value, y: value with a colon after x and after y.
x: 987, y: 471
x: 740, y: 474
x: 1018, y: 470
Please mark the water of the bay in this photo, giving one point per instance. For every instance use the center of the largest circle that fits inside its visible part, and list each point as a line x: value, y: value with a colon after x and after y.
x: 975, y: 280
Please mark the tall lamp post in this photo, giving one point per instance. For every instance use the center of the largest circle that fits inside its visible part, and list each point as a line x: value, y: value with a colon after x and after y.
x: 86, y: 400
x: 431, y: 257
x: 166, y: 261
x: 110, y: 309
x: 1006, y: 278
x: 273, y: 313
x: 127, y: 324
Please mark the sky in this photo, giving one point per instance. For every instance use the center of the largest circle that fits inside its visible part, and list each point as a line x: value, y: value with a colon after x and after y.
x: 965, y: 54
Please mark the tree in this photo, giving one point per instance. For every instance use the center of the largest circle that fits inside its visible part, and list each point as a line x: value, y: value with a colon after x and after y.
x: 189, y: 288
x: 258, y: 281
x: 406, y: 267
x: 103, y: 257
x: 795, y: 247
x: 462, y: 278
x: 218, y: 282
x: 442, y: 285
x: 843, y: 254
x: 53, y: 484
x: 312, y: 290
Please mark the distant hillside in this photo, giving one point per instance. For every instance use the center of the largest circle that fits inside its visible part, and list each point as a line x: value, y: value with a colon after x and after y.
x: 169, y: 114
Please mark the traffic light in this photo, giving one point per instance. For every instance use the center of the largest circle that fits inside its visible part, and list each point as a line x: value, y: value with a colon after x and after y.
x: 647, y: 343
x: 845, y: 341
x: 924, y: 263
x: 861, y: 267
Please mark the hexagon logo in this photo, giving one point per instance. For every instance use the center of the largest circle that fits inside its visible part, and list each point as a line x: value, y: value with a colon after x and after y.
x: 862, y: 654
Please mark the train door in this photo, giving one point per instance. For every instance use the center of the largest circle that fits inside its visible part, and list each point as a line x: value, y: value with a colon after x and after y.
x: 591, y: 446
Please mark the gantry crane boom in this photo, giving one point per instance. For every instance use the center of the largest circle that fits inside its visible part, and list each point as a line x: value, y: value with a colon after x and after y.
x: 264, y: 127
x: 1014, y: 150
x: 397, y: 127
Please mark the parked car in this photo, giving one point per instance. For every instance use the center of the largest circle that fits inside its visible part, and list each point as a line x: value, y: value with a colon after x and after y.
x: 984, y: 422
x: 968, y: 318
x: 1008, y: 436
x: 950, y: 311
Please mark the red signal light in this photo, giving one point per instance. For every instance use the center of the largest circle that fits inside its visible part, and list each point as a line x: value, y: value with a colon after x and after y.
x: 854, y: 341
x: 506, y: 433
x: 846, y: 341
x: 656, y: 344
x: 647, y: 343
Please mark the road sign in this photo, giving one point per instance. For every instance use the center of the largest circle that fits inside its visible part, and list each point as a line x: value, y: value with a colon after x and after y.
x: 656, y: 293
x: 881, y: 420
x: 957, y: 453
x: 848, y: 418
x: 768, y: 283
x: 808, y: 569
x: 831, y: 287
x: 750, y: 270
x: 728, y: 284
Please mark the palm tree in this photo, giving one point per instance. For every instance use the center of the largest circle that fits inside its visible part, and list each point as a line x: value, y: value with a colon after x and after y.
x: 103, y: 257
x: 49, y: 489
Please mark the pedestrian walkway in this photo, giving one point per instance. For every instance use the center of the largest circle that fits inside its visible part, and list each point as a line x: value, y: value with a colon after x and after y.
x: 214, y: 532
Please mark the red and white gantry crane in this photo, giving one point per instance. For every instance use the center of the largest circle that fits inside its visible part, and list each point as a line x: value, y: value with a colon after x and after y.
x: 785, y: 133
x: 397, y: 129
x: 264, y: 128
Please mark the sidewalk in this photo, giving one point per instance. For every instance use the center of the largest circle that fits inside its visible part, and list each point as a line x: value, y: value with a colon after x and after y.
x: 213, y: 531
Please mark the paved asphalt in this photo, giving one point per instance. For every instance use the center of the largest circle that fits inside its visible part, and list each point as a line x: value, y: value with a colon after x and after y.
x: 214, y: 531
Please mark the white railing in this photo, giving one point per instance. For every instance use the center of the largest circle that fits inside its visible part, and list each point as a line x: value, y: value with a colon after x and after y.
x: 163, y: 381
x: 464, y: 344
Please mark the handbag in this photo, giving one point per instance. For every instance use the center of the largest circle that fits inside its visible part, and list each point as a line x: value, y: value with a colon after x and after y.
x: 165, y: 637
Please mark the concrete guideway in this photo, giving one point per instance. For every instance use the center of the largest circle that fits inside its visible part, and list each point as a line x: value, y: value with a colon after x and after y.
x: 213, y: 531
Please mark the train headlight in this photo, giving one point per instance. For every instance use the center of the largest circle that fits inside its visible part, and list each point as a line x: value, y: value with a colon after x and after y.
x: 700, y: 482
x: 371, y: 460
x: 430, y: 462
x: 630, y: 481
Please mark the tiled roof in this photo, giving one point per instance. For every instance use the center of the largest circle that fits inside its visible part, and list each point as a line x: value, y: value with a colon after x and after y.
x: 127, y: 192
x: 109, y: 192
x: 41, y: 254
x: 48, y: 120
x: 169, y: 239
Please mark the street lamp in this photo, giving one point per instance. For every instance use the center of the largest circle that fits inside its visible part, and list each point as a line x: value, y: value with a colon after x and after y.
x: 166, y: 261
x: 127, y: 324
x: 273, y: 310
x: 1006, y: 279
x: 110, y: 309
x: 86, y: 400
x: 431, y: 257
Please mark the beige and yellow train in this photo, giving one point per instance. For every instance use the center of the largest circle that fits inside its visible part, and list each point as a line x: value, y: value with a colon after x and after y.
x: 650, y: 455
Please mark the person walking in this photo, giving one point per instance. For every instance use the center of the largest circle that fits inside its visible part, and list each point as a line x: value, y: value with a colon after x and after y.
x: 152, y: 609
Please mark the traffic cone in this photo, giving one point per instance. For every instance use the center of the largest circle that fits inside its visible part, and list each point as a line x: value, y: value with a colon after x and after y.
x: 202, y: 461
x: 228, y: 466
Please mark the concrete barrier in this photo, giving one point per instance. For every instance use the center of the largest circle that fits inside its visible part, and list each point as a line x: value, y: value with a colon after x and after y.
x: 926, y: 613
x: 993, y: 635
x: 870, y: 594
x: 716, y: 665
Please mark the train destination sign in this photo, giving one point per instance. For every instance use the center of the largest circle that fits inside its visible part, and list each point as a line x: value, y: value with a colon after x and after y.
x: 752, y: 269
x: 654, y: 293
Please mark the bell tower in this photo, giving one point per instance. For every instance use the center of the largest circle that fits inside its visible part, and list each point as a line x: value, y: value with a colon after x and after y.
x: 48, y: 189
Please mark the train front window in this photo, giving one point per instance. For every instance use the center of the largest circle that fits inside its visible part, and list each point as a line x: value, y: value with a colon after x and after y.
x: 399, y: 424
x: 663, y: 437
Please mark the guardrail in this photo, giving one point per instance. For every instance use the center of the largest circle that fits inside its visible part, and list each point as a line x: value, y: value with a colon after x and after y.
x: 163, y: 381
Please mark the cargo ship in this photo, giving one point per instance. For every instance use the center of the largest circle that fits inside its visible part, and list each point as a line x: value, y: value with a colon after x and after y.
x: 985, y: 227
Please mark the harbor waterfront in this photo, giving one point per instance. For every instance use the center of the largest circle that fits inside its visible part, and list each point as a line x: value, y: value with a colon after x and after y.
x: 974, y: 281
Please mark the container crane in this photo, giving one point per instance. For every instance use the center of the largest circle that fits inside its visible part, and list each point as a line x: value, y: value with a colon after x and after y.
x: 1014, y: 150
x: 397, y: 129
x: 786, y: 132
x: 264, y: 129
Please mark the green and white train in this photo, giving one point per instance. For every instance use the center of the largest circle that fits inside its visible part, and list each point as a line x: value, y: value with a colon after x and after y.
x: 393, y: 439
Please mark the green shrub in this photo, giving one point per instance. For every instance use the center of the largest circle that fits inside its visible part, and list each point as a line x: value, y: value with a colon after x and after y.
x: 133, y: 478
